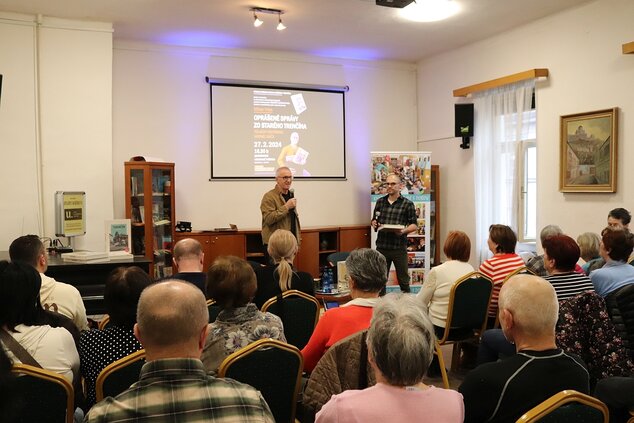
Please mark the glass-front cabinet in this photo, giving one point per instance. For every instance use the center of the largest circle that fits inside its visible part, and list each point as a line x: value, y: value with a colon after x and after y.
x: 149, y: 205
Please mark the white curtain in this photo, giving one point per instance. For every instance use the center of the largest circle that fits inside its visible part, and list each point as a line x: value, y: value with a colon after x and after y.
x: 501, y: 122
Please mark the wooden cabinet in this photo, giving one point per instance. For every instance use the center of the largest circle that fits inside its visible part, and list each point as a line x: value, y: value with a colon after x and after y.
x: 149, y: 204
x: 217, y: 244
x: 354, y: 237
x: 317, y: 244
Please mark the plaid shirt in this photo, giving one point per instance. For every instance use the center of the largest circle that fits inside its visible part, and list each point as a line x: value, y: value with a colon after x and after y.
x: 536, y: 265
x: 179, y: 390
x: 401, y: 212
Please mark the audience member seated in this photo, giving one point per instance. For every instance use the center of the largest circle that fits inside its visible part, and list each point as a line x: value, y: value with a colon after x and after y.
x: 99, y: 348
x: 618, y: 394
x: 231, y: 283
x: 279, y: 277
x: 504, y: 390
x: 502, y: 241
x: 619, y: 218
x: 173, y: 386
x: 344, y: 366
x: 615, y: 248
x: 536, y: 264
x: 400, y: 348
x: 55, y: 296
x: 589, y: 250
x: 437, y: 287
x: 367, y: 270
x: 561, y: 254
x: 188, y: 261
x: 22, y: 319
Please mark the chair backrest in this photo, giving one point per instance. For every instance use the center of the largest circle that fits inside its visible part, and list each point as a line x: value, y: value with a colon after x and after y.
x: 119, y: 375
x: 299, y: 313
x: 104, y: 322
x: 468, y: 306
x: 45, y: 396
x: 568, y: 406
x: 333, y: 258
x: 625, y: 303
x: 214, y: 310
x: 273, y: 368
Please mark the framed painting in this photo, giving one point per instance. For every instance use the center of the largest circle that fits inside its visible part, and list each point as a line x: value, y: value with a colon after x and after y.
x: 588, y: 151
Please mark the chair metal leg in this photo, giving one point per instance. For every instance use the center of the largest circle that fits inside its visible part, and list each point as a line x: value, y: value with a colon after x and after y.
x: 441, y: 362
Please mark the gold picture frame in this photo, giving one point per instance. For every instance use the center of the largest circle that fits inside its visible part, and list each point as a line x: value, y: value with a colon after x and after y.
x: 588, y: 151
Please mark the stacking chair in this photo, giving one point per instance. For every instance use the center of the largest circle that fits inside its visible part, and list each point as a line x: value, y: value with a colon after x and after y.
x: 118, y: 376
x: 518, y: 271
x: 45, y: 396
x: 299, y: 313
x: 469, y: 300
x: 273, y: 368
x: 104, y: 322
x: 620, y: 305
x: 214, y: 310
x: 441, y: 363
x: 568, y: 406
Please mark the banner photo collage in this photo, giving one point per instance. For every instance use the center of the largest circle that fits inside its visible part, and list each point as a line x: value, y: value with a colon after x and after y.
x: 414, y: 169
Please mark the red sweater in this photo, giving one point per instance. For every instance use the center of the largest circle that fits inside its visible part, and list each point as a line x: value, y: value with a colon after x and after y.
x: 334, y: 325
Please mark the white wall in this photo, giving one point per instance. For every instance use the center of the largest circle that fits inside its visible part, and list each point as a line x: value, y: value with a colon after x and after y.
x: 57, y: 99
x: 582, y: 49
x: 161, y: 109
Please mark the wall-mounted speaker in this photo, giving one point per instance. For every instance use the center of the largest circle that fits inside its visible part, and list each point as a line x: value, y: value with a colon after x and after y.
x: 463, y: 127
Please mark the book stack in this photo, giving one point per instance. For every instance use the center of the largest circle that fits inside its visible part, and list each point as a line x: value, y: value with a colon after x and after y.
x: 86, y: 257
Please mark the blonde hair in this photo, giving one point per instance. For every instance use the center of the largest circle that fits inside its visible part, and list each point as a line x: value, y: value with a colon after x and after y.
x: 282, y: 249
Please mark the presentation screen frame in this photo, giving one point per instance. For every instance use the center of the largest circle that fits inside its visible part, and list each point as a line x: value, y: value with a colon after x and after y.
x: 266, y: 172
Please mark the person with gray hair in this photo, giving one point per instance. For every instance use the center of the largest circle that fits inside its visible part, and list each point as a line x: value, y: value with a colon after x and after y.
x: 502, y: 391
x: 536, y: 264
x: 400, y: 348
x: 367, y: 270
x: 173, y: 385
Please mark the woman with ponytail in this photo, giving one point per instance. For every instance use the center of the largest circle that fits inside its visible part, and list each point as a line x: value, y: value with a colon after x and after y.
x: 280, y: 276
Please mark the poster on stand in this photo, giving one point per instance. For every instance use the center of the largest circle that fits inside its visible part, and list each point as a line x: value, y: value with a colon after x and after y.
x: 414, y: 169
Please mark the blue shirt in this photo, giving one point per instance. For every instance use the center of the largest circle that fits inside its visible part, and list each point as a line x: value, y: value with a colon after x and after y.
x: 611, y: 277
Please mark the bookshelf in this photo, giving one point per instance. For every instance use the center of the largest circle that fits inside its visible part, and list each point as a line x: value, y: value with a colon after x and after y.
x: 149, y: 205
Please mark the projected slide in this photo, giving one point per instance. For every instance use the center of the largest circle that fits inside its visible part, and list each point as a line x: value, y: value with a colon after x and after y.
x: 255, y: 130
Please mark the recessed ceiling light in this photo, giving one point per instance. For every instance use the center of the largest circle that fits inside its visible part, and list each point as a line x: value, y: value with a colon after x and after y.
x: 429, y: 10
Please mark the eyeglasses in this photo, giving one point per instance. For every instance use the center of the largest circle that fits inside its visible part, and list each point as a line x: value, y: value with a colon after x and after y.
x: 392, y: 183
x: 286, y: 178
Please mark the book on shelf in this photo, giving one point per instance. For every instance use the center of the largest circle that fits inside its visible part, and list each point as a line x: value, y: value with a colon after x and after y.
x: 86, y: 257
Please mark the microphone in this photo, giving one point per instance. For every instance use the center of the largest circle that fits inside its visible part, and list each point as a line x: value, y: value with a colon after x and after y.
x: 291, y: 191
x: 377, y: 214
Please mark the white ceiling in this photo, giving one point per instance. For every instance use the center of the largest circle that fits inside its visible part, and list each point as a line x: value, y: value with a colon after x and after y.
x: 355, y: 29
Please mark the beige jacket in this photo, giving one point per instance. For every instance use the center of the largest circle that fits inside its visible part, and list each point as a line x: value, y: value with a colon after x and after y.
x: 275, y: 215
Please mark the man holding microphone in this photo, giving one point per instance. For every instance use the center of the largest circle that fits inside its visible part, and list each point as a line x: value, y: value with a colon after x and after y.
x: 279, y: 207
x: 394, y: 209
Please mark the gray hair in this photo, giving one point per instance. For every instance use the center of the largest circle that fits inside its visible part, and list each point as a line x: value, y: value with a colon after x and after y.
x: 548, y: 231
x: 277, y: 171
x: 533, y: 302
x: 589, y: 245
x: 368, y: 269
x: 401, y: 339
x: 171, y: 313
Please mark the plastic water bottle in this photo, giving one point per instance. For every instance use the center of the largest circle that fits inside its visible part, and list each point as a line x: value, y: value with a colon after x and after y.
x: 327, y: 280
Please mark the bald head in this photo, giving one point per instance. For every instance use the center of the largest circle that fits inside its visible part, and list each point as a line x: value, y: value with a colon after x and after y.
x: 188, y: 255
x: 170, y: 315
x: 533, y: 303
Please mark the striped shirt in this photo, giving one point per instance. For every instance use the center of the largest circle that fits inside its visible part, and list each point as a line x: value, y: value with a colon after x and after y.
x: 179, y: 390
x: 497, y: 268
x: 567, y: 285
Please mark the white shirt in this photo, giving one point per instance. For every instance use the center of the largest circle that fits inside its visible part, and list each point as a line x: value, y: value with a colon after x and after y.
x: 53, y: 348
x: 64, y: 299
x: 437, y: 287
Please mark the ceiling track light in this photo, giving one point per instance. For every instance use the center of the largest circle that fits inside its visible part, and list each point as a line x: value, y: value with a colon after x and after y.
x: 265, y: 10
x: 280, y: 25
x: 257, y: 21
